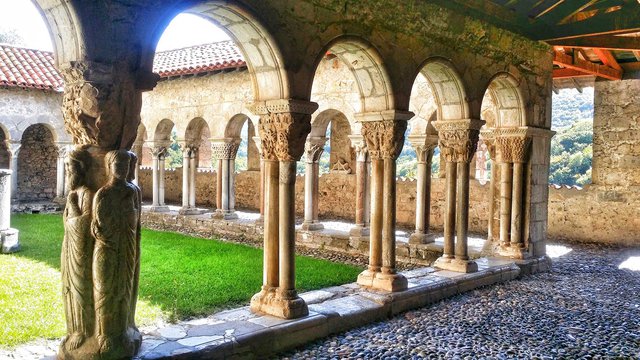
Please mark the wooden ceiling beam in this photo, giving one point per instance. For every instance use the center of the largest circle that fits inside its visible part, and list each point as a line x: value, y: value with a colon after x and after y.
x: 569, y: 73
x: 606, y: 42
x: 575, y: 63
x: 617, y: 22
x: 607, y: 58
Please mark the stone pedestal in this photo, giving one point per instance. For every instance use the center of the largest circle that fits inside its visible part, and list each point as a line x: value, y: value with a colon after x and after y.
x: 457, y: 265
x: 8, y: 236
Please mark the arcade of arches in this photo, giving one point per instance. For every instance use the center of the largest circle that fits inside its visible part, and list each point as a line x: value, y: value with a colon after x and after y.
x: 311, y: 74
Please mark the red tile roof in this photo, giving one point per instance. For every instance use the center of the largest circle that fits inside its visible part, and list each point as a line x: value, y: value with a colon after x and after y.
x: 198, y: 59
x: 27, y: 68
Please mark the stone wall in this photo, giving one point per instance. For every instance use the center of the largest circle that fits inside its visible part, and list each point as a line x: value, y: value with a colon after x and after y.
x: 37, y: 164
x: 21, y: 108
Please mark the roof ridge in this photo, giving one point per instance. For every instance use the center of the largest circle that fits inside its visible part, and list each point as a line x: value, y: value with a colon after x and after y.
x: 195, y: 46
x: 26, y: 48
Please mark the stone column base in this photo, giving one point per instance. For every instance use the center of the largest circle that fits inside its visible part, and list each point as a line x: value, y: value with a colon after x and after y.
x: 360, y: 243
x: 122, y: 347
x: 9, y: 241
x: 159, y: 208
x: 312, y: 226
x: 422, y: 238
x: 224, y: 215
x: 457, y: 265
x: 513, y: 252
x: 381, y: 281
x: 189, y: 211
x: 359, y: 231
x: 273, y: 302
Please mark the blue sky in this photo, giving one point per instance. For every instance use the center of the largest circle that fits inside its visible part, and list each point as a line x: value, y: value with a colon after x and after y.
x: 185, y: 29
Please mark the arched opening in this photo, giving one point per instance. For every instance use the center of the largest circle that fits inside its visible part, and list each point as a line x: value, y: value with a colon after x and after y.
x: 240, y: 129
x: 37, y: 164
x: 338, y: 155
x: 166, y: 136
x: 198, y: 134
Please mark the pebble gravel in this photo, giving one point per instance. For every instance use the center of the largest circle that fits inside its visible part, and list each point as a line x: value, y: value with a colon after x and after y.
x: 585, y: 308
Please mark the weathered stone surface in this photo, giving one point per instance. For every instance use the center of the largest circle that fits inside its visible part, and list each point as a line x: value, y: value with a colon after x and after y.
x: 37, y: 164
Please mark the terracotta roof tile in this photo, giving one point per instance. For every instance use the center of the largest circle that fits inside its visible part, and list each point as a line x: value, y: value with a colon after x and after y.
x: 27, y: 68
x: 198, y: 59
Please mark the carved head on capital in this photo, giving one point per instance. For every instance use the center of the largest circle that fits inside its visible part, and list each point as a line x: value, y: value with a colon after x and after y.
x: 77, y: 168
x: 118, y: 162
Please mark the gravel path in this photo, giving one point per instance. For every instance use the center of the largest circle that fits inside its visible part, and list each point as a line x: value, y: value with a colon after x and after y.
x: 586, y: 308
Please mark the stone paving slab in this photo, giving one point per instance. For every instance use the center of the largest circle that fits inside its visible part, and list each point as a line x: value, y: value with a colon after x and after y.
x: 239, y: 333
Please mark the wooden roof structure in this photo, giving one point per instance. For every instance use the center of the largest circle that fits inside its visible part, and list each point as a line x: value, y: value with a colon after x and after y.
x: 592, y: 39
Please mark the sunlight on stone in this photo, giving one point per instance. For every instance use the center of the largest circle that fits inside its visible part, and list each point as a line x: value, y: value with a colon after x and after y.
x: 632, y: 263
x: 555, y: 251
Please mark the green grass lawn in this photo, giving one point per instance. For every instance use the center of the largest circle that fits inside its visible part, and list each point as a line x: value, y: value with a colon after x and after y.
x: 180, y: 277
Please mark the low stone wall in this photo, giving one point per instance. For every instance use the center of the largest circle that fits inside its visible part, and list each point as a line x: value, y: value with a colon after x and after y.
x: 593, y: 214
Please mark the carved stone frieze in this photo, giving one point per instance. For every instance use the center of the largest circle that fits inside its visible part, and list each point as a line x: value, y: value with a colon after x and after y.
x: 101, y: 104
x: 384, y: 139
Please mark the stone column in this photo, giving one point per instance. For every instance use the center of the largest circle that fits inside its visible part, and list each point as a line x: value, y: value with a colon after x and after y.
x: 361, y: 228
x: 458, y: 142
x: 489, y: 140
x: 100, y: 250
x: 9, y: 242
x: 14, y: 150
x: 225, y: 151
x: 513, y: 151
x: 189, y: 156
x: 424, y: 147
x: 158, y: 154
x: 137, y: 149
x: 384, y: 136
x: 313, y: 150
x: 63, y: 150
x: 283, y: 126
x: 258, y: 142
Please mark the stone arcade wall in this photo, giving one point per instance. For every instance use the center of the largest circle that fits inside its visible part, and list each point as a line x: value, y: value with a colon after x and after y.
x: 20, y: 108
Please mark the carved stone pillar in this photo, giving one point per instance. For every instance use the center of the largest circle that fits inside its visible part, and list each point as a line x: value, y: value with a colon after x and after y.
x: 158, y: 155
x: 100, y: 250
x: 458, y: 142
x: 361, y: 228
x: 384, y: 136
x: 9, y: 242
x: 225, y: 151
x: 513, y: 153
x: 189, y: 164
x: 258, y: 142
x: 14, y: 150
x: 63, y: 150
x: 283, y: 126
x: 313, y: 151
x: 424, y: 147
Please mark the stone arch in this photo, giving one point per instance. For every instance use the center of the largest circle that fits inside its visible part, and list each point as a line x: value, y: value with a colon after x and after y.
x: 162, y: 133
x: 37, y: 164
x: 141, y: 145
x: 367, y: 67
x: 65, y: 29
x: 233, y: 130
x: 341, y: 155
x: 504, y: 91
x: 198, y: 133
x: 447, y: 87
x: 258, y: 47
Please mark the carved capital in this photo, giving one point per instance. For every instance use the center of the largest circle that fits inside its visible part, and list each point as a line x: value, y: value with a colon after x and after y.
x: 101, y: 104
x: 513, y: 149
x: 224, y: 150
x: 385, y: 138
x: 13, y: 147
x: 458, y: 139
x: 63, y: 150
x: 158, y: 152
x: 360, y: 147
x: 424, y: 146
x: 314, y: 148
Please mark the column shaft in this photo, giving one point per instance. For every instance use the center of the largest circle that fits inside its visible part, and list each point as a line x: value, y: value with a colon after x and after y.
x: 185, y: 178
x: 492, y: 201
x: 421, y: 193
x: 219, y: 186
x: 462, y: 221
x: 309, y: 186
x: 287, y: 236
x: 375, y: 242
x: 156, y: 181
x: 506, y: 176
x: 161, y: 162
x: 271, y: 214
x: 60, y: 177
x: 14, y: 174
x: 225, y: 185
x: 192, y: 180
x: 232, y: 185
x: 389, y: 218
x: 516, y: 204
x: 262, y: 197
x: 450, y: 210
x: 361, y: 184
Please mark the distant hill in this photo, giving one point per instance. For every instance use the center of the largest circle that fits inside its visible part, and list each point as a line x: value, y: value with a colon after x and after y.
x: 571, y: 106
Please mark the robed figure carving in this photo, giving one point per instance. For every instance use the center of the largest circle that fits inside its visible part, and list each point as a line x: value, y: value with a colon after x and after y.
x: 115, y: 228
x: 77, y: 252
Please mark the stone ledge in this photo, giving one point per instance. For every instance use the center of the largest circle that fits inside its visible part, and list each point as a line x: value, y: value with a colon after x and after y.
x: 239, y: 333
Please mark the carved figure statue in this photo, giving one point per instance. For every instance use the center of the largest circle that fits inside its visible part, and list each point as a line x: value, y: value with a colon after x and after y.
x: 77, y: 252
x: 136, y: 277
x: 115, y: 228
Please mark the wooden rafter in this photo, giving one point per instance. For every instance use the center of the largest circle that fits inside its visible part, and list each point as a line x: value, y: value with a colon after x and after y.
x: 618, y: 22
x: 607, y: 42
x: 568, y: 74
x: 607, y: 58
x: 586, y: 67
